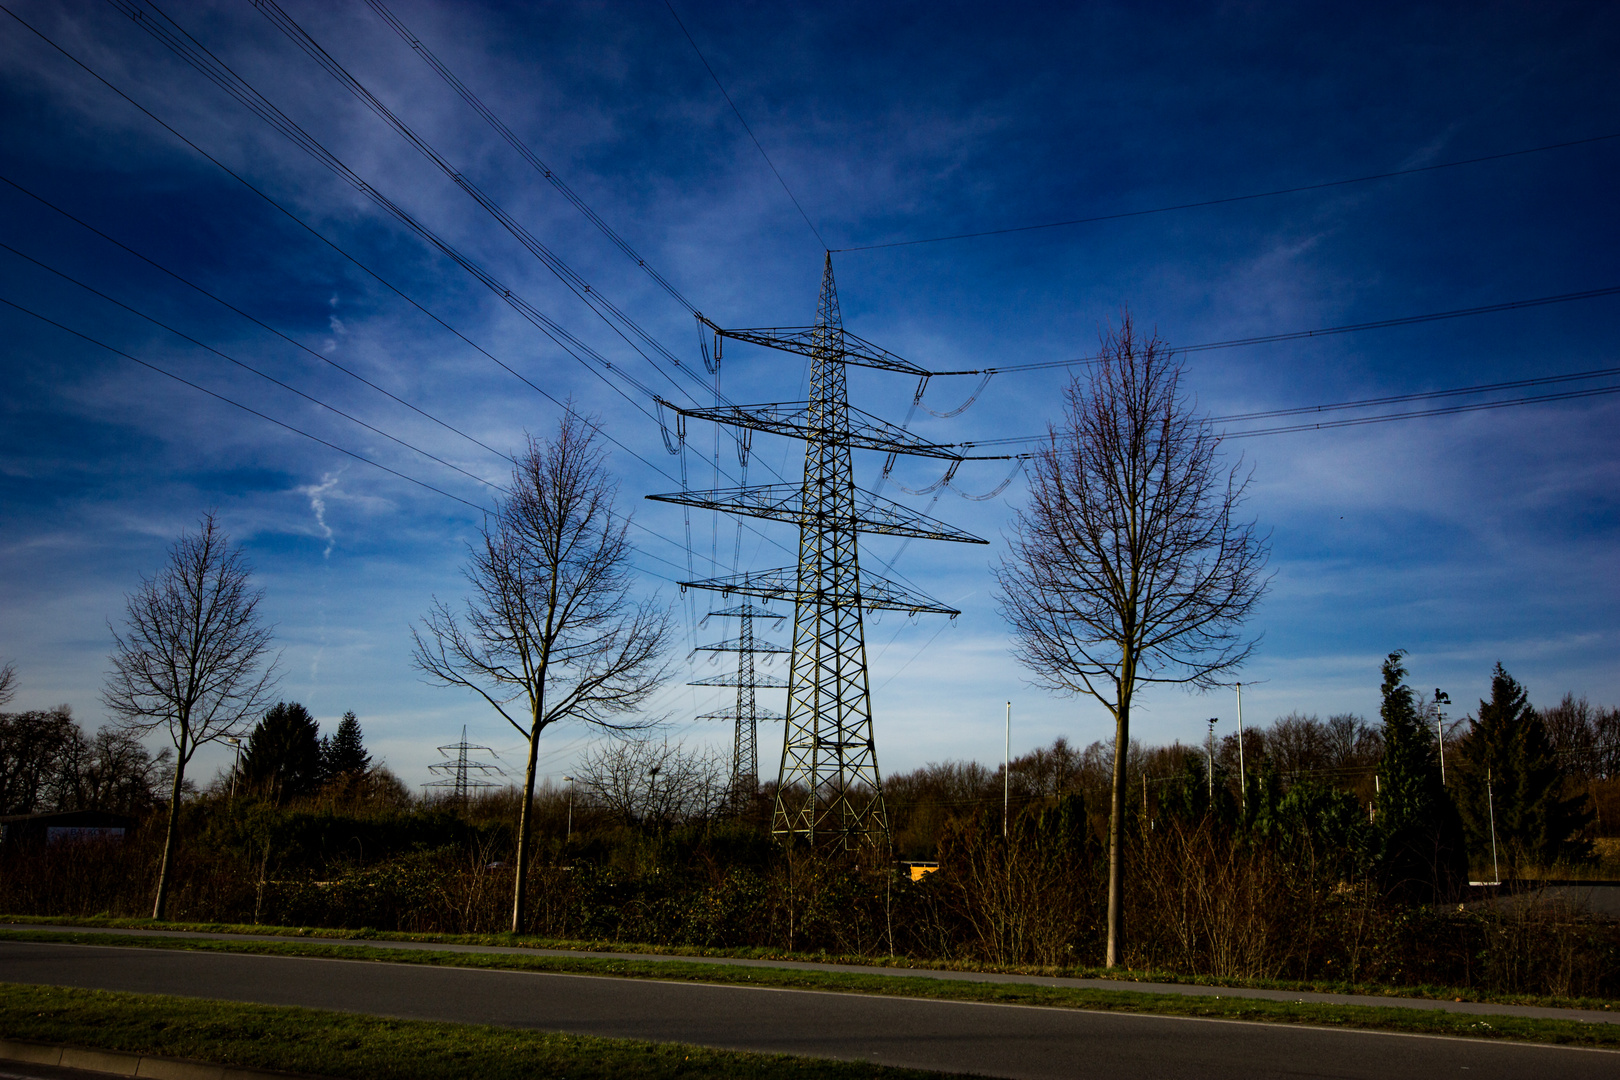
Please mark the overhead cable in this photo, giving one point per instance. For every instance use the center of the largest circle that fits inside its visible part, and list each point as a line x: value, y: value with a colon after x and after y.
x: 1017, y: 467
x: 922, y: 388
x: 1326, y: 331
x: 1478, y: 406
x: 439, y: 68
x: 738, y: 114
x: 292, y: 389
x: 250, y: 368
x: 593, y: 298
x: 221, y: 75
x: 1516, y: 384
x: 1236, y: 198
x: 256, y: 322
x: 237, y: 404
x: 206, y: 63
x: 1392, y: 399
x: 340, y: 250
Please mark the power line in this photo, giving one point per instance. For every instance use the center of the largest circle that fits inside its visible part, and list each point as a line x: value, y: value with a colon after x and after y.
x: 250, y: 98
x: 249, y: 367
x: 220, y: 73
x: 1547, y: 380
x: 1394, y: 398
x: 439, y: 68
x: 207, y: 65
x: 295, y: 219
x: 244, y: 408
x: 338, y: 249
x: 615, y: 318
x: 223, y: 76
x: 1326, y: 331
x: 294, y: 133
x: 279, y: 423
x: 278, y: 382
x: 738, y: 114
x: 1237, y: 198
x: 257, y: 322
x: 1478, y: 406
x: 323, y: 404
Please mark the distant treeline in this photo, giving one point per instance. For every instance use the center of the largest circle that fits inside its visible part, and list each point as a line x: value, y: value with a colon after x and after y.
x: 1344, y: 857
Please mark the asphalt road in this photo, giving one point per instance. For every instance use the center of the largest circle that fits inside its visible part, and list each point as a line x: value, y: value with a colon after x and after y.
x: 1482, y: 1008
x: 993, y: 1040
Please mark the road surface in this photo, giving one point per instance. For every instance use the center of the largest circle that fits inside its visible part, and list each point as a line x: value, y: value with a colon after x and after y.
x: 992, y: 1040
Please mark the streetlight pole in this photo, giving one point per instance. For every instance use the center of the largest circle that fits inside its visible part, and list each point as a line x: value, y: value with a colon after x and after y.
x: 652, y: 778
x: 570, y: 780
x: 1441, y: 698
x: 1490, y: 802
x: 1212, y: 722
x: 1006, y: 775
x: 1243, y: 776
x: 236, y: 762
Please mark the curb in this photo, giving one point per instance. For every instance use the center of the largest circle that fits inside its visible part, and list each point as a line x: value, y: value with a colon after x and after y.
x: 119, y: 1063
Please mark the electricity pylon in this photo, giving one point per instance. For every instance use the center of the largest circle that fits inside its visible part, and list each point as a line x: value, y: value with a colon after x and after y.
x: 747, y: 713
x: 463, y: 774
x: 829, y: 787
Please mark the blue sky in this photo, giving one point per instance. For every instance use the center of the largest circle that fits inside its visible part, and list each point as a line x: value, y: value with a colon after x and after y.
x: 1465, y: 539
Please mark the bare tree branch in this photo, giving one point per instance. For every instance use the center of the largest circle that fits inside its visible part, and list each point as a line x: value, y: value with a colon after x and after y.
x: 550, y: 630
x: 8, y: 682
x: 645, y: 781
x: 1130, y: 566
x: 189, y: 659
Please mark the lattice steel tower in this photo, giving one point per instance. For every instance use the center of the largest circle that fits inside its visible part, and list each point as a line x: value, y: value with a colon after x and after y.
x: 747, y: 712
x: 829, y: 786
x: 463, y: 774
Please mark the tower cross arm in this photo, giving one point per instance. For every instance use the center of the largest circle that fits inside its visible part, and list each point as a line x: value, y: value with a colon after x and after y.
x: 874, y: 593
x: 856, y: 428
x: 733, y: 679
x: 738, y: 645
x: 805, y: 341
x: 783, y: 502
x: 760, y: 713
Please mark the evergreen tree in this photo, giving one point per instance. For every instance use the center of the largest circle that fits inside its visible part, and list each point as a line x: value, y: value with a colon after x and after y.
x: 1508, y: 766
x: 1316, y: 825
x: 343, y: 755
x: 1420, y: 842
x: 283, y: 755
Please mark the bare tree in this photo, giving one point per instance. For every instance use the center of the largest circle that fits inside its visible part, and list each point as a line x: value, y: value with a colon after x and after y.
x: 641, y: 780
x: 33, y: 749
x: 190, y: 660
x: 8, y: 682
x: 550, y: 631
x: 1129, y: 566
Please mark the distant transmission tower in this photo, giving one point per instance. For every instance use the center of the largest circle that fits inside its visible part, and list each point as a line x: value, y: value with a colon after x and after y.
x: 463, y: 774
x: 746, y: 713
x: 829, y: 788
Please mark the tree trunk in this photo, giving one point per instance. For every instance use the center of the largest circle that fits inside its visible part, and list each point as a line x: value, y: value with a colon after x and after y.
x: 1116, y: 834
x: 171, y: 836
x: 520, y: 889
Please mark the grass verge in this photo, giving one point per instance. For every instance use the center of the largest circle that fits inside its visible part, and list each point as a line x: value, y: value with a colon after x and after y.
x: 1315, y: 986
x: 1383, y: 1018
x: 344, y: 1045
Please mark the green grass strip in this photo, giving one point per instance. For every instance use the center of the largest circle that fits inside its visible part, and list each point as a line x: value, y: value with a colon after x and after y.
x: 345, y: 1045
x: 1315, y: 986
x: 1383, y: 1018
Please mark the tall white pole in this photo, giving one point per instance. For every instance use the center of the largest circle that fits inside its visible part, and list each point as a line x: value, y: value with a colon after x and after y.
x: 236, y: 763
x: 1441, y: 698
x: 1490, y: 802
x: 1006, y: 775
x: 1243, y: 777
x: 1212, y: 721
